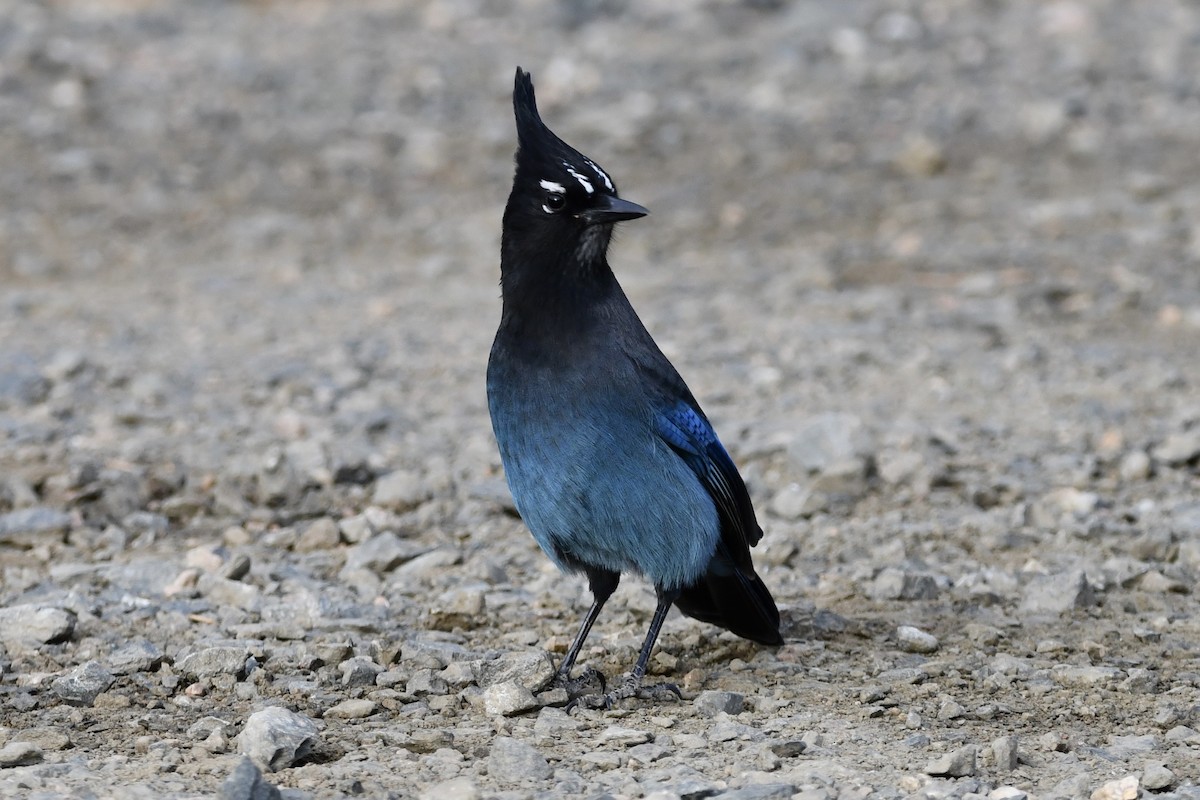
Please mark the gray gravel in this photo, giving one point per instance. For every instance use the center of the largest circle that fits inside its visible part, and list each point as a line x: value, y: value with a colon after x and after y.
x: 933, y: 268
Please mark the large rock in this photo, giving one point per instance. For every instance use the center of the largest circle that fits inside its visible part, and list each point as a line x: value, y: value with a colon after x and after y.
x: 30, y: 626
x: 1057, y: 594
x: 277, y: 738
x: 219, y: 660
x: 82, y: 685
x: 530, y: 668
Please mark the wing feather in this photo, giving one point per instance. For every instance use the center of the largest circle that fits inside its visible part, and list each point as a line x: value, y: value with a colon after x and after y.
x: 686, y: 430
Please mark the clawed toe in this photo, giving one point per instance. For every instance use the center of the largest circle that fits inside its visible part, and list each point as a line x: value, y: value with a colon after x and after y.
x: 588, y: 682
x: 660, y: 693
x: 631, y: 687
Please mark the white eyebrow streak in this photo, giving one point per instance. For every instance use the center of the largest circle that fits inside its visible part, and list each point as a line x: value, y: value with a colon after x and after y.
x: 584, y: 182
x: 603, y: 175
x: 551, y: 186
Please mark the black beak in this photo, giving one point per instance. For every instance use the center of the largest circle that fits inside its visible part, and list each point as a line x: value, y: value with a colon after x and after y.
x: 610, y: 209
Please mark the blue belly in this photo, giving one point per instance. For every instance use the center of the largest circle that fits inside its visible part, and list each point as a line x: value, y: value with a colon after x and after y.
x: 599, y: 488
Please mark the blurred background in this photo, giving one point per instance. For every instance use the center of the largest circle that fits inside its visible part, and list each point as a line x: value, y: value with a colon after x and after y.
x: 202, y: 203
x: 931, y: 266
x: 868, y: 142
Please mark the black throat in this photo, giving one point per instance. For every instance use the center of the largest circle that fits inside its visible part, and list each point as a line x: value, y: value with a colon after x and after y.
x: 554, y: 280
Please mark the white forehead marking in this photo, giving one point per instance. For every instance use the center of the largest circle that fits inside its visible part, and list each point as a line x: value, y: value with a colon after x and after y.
x: 551, y: 186
x: 603, y: 175
x: 583, y: 181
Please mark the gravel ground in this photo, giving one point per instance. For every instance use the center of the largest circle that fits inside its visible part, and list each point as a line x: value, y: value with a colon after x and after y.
x: 932, y: 267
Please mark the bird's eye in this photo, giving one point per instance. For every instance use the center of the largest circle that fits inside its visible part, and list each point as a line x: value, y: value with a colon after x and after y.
x: 555, y: 202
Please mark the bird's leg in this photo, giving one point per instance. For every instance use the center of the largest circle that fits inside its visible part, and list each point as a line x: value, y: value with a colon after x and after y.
x: 632, y: 685
x: 602, y: 584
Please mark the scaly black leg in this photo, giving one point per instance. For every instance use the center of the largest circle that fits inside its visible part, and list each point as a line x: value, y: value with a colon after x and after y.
x: 603, y: 584
x: 632, y: 685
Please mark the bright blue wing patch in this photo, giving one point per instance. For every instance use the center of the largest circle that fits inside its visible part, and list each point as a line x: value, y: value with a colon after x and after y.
x: 690, y: 435
x: 685, y: 430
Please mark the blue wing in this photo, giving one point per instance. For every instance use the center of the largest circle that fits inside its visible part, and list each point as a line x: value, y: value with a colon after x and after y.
x: 690, y: 435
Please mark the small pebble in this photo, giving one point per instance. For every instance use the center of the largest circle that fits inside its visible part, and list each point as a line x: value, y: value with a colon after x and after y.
x: 82, y: 685
x: 789, y: 749
x: 950, y: 710
x: 359, y: 671
x: 624, y: 737
x: 511, y: 761
x: 211, y: 661
x: 426, y: 682
x: 1007, y: 793
x: 647, y: 753
x: 710, y: 703
x: 1004, y: 751
x: 401, y: 490
x: 321, y: 534
x: 915, y: 640
x: 139, y: 655
x: 1135, y: 466
x: 429, y: 740
x: 530, y: 668
x: 47, y: 738
x: 351, y: 709
x: 958, y: 764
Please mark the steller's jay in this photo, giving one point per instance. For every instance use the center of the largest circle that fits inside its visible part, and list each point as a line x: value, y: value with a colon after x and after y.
x: 611, y: 462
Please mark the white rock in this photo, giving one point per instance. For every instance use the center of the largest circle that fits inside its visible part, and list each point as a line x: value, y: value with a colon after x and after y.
x: 1124, y: 789
x: 508, y: 698
x: 19, y: 754
x: 1006, y: 793
x: 915, y: 640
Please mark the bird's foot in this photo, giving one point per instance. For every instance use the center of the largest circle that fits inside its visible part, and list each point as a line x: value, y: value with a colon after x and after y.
x: 660, y: 693
x: 630, y: 687
x: 588, y: 681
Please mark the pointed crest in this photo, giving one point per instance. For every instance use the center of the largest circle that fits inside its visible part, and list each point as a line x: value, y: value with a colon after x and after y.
x: 535, y: 141
x: 529, y: 123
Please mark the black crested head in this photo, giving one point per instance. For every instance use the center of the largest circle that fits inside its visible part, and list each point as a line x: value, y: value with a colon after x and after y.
x: 563, y: 205
x: 539, y: 149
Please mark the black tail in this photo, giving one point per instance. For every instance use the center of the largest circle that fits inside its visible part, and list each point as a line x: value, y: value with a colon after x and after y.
x: 734, y: 599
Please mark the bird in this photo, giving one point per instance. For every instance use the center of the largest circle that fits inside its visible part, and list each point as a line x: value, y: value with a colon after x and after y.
x: 611, y: 463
